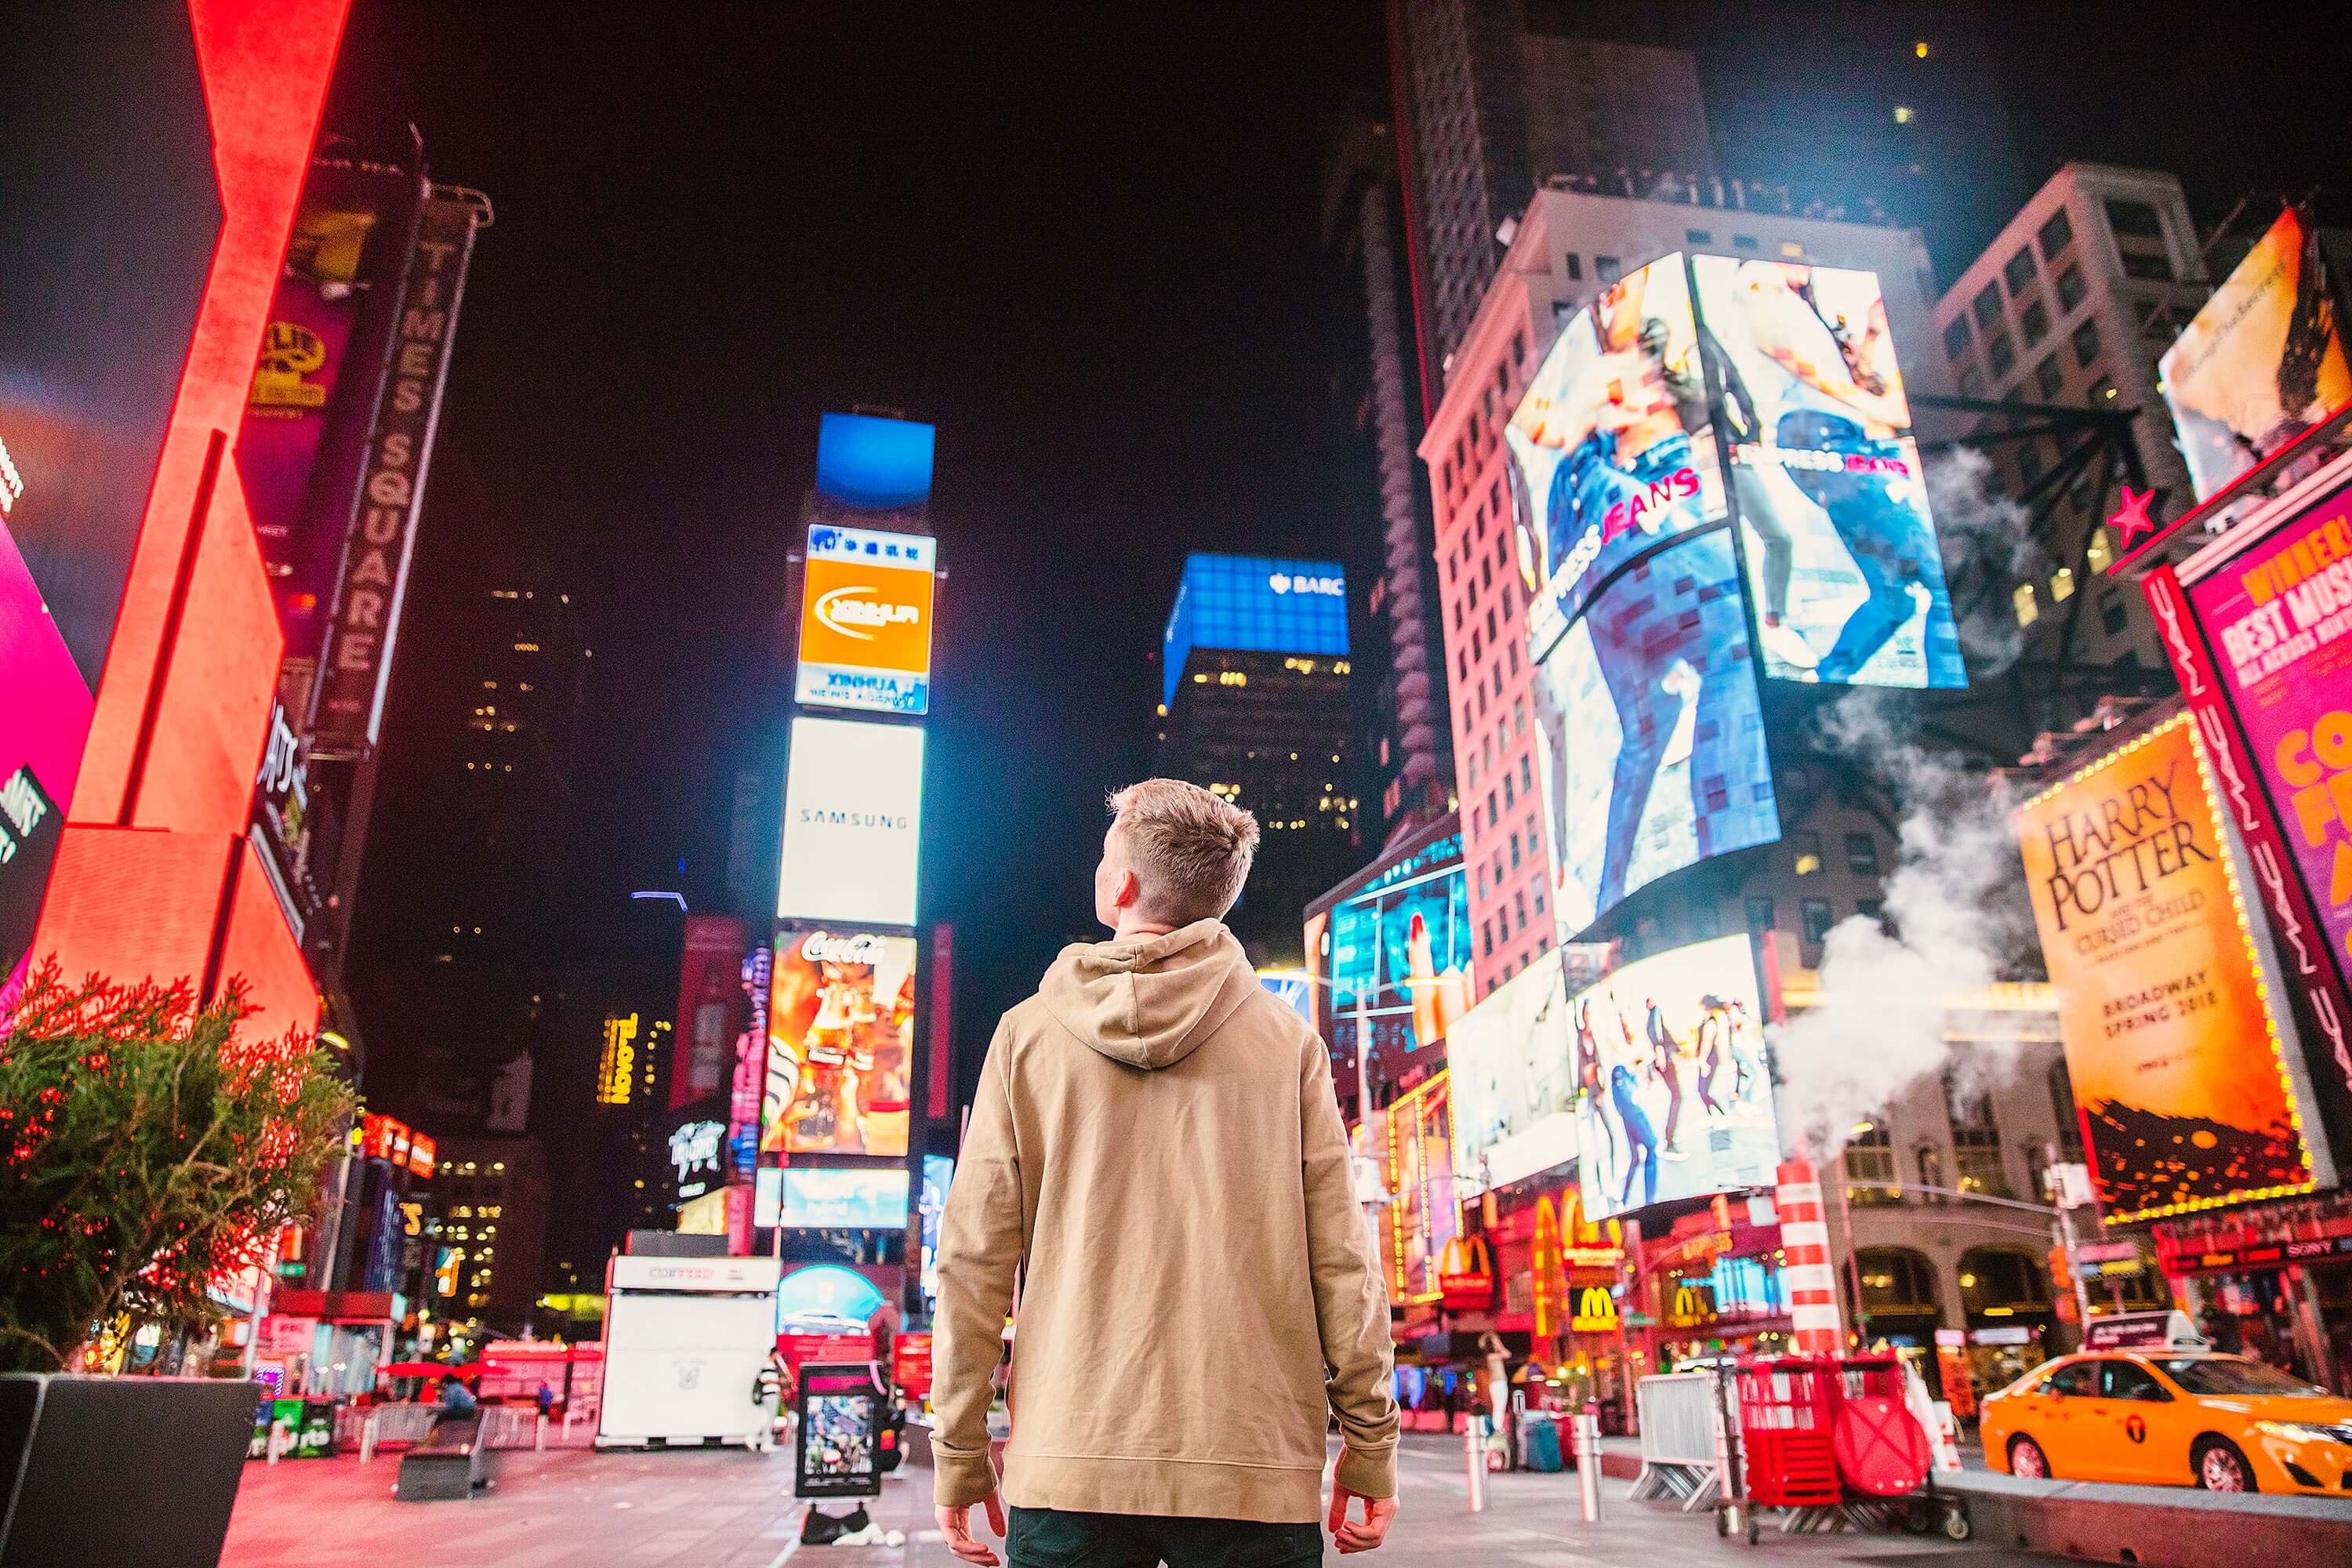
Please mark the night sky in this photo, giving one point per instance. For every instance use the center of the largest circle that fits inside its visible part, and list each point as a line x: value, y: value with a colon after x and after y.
x: 1082, y: 241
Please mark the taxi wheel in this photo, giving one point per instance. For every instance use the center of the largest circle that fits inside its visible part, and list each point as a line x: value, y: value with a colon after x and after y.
x: 2221, y: 1467
x: 2026, y: 1459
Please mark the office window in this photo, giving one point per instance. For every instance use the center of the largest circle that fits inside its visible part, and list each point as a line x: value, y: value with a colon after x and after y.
x: 1976, y: 1140
x: 1743, y: 242
x: 2102, y: 391
x: 1518, y: 348
x: 2019, y: 273
x: 2056, y: 235
x: 2072, y: 289
x: 1805, y: 847
x: 1760, y: 915
x: 1815, y: 917
x: 1607, y: 268
x: 1514, y: 840
x: 2049, y: 377
x: 1510, y: 793
x: 2137, y: 219
x: 2004, y: 356
x: 1526, y: 774
x: 2086, y: 342
x: 2151, y: 264
x: 2098, y: 555
x: 2062, y: 585
x: 1956, y: 338
x: 1575, y: 267
x: 1862, y: 854
x: 1971, y: 384
x: 2113, y: 616
x: 2034, y: 323
x: 1988, y: 307
x: 1698, y: 236
x: 2021, y: 599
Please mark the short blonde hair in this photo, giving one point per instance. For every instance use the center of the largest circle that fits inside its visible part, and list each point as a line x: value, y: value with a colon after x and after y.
x: 1190, y: 850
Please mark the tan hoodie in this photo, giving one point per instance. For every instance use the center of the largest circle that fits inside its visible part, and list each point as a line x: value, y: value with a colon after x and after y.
x: 1156, y: 1145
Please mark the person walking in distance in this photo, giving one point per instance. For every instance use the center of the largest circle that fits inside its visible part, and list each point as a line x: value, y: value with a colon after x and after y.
x: 1155, y: 1147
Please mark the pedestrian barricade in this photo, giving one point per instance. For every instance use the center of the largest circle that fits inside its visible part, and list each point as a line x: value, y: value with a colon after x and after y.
x: 373, y: 1426
x: 1679, y: 1455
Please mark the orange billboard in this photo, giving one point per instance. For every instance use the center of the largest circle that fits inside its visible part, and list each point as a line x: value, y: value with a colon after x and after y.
x: 2188, y: 1094
x: 866, y: 621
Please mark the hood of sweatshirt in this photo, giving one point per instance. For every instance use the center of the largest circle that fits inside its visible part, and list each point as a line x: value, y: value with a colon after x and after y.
x: 1151, y: 1001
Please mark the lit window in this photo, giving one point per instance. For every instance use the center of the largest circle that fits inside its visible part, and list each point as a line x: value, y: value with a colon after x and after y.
x: 1905, y: 115
x: 1807, y: 847
x: 2101, y: 554
x: 2062, y: 585
x: 2028, y: 611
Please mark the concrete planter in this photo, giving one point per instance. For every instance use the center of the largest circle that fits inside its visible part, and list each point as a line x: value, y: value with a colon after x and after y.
x: 75, y: 1450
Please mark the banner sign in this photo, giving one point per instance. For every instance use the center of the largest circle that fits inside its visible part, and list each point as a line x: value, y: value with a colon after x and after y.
x: 2185, y: 1084
x: 347, y: 707
x: 844, y: 1414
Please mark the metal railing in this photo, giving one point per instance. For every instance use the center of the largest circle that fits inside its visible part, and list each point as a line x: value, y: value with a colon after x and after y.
x: 1681, y: 1458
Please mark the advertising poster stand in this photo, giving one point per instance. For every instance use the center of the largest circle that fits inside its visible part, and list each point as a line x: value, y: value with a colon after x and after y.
x: 838, y: 1453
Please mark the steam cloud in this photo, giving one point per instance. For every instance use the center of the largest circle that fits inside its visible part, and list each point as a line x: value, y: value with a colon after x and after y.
x: 1979, y: 526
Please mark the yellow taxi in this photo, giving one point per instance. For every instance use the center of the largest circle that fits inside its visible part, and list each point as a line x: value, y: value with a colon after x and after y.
x: 2170, y: 1417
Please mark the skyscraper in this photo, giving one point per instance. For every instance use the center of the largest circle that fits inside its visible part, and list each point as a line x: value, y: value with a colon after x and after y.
x: 1255, y: 706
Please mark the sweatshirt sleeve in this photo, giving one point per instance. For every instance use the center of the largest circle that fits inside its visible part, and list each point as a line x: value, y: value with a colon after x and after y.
x: 980, y: 1249
x: 1351, y: 1300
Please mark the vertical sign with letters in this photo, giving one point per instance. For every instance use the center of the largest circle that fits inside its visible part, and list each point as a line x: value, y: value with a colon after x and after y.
x: 349, y: 704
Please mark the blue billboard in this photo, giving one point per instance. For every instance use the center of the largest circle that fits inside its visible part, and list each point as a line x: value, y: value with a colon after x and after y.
x: 1397, y: 950
x: 1254, y: 604
x: 874, y: 465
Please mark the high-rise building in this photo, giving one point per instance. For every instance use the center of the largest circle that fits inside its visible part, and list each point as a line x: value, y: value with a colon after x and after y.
x: 1487, y: 108
x: 1405, y: 751
x: 1568, y: 245
x: 483, y: 1274
x: 2071, y: 307
x: 1255, y: 706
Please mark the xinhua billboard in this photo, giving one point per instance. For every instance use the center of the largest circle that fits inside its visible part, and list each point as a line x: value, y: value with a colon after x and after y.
x: 865, y: 620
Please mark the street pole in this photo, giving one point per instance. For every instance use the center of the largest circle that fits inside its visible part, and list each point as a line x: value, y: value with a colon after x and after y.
x: 2082, y: 1285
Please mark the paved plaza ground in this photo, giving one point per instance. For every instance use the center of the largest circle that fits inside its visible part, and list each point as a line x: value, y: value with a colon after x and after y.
x: 730, y: 1510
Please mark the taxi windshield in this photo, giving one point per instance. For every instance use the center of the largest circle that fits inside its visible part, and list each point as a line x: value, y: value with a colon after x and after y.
x: 2228, y: 1374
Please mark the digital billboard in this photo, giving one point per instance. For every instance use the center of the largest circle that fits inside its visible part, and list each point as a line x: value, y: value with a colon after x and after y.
x: 870, y: 464
x: 1511, y: 1083
x: 1611, y: 447
x: 1423, y: 1213
x: 1399, y: 949
x: 1652, y: 733
x: 931, y: 1207
x: 852, y: 822
x: 2263, y: 362
x: 840, y: 1029
x: 1253, y: 604
x: 2278, y: 619
x: 824, y: 1199
x: 865, y: 620
x: 1826, y: 477
x: 1676, y: 1096
x: 710, y: 1007
x: 44, y: 712
x: 2185, y: 1087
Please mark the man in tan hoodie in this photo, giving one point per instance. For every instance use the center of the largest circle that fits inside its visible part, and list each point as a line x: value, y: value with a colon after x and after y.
x: 1156, y: 1151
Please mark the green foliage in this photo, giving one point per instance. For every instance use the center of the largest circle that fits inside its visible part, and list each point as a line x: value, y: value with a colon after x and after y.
x: 145, y: 1147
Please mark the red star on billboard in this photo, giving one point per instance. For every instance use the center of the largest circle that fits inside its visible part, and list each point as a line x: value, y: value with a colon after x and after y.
x: 2131, y: 518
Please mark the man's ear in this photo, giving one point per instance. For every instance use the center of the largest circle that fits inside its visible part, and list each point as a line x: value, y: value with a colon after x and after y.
x: 1128, y: 892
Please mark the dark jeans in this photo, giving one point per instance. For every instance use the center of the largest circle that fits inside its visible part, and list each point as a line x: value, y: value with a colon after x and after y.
x: 1049, y: 1538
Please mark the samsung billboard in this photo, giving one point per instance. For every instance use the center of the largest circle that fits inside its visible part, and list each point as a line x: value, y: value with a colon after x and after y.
x: 852, y: 822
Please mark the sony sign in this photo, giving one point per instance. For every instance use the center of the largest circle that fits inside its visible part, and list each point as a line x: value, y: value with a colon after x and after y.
x: 349, y: 702
x: 853, y: 821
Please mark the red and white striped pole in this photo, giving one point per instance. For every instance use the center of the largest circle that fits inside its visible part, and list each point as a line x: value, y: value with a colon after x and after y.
x: 1805, y: 1270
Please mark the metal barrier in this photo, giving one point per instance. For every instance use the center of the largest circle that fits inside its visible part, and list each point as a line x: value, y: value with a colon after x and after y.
x: 375, y: 1425
x: 1680, y: 1458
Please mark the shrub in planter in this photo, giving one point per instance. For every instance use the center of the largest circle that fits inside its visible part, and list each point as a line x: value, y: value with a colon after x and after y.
x: 147, y: 1145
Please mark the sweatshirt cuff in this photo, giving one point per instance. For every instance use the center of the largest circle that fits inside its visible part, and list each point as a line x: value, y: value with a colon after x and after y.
x: 959, y: 1481
x: 1371, y: 1473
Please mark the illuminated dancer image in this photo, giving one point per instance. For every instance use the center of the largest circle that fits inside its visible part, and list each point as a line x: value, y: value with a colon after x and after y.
x: 1641, y: 1138
x: 1588, y: 1088
x: 1666, y: 1060
x: 1712, y: 1028
x: 1836, y: 402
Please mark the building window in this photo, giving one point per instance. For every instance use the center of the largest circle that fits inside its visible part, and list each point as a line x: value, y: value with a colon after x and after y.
x: 1806, y: 846
x: 2144, y: 264
x: 2004, y: 357
x: 2062, y: 585
x: 2028, y: 462
x: 1988, y: 307
x: 1575, y: 267
x: 1508, y: 791
x: 1698, y: 236
x: 2072, y: 289
x: 2137, y: 219
x: 1971, y: 384
x: 2056, y: 235
x: 2086, y: 342
x: 1527, y: 773
x: 2062, y: 1100
x: 1759, y: 916
x: 1956, y: 338
x: 1976, y: 1140
x: 2049, y: 377
x: 1486, y: 939
x: 1862, y: 854
x: 1607, y: 268
x: 2021, y: 599
x: 2102, y: 391
x: 1515, y: 851
x: 2019, y: 273
x: 2098, y: 554
x: 2034, y: 323
x: 2113, y: 616
x: 1743, y: 242
x: 1518, y: 348
x: 1815, y: 915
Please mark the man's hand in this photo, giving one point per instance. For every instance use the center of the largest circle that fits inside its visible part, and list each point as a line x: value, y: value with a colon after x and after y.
x: 955, y: 1525
x: 1359, y: 1535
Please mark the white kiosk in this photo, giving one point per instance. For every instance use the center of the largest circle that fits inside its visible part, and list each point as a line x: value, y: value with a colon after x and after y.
x: 685, y: 1341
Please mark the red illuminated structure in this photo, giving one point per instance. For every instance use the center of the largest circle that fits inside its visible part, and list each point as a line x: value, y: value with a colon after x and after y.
x: 154, y: 875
